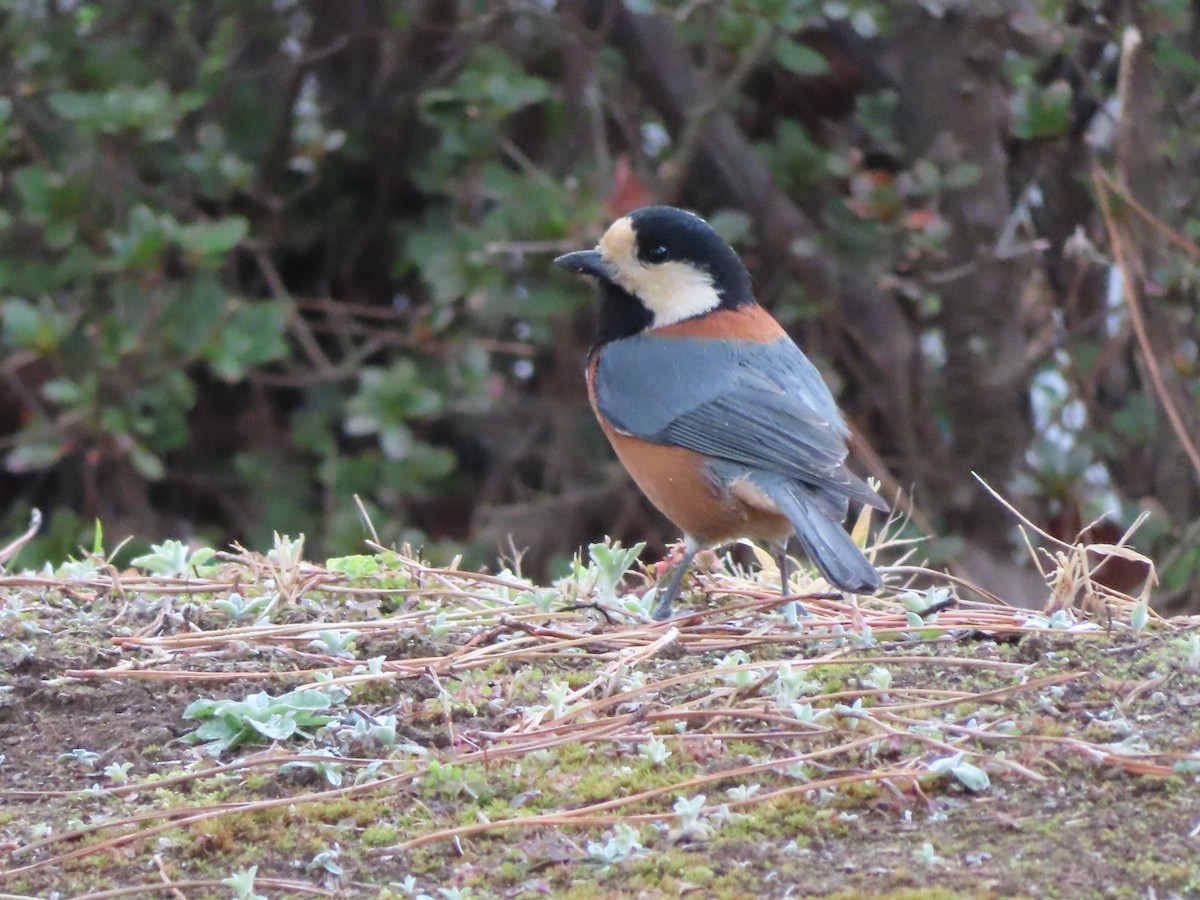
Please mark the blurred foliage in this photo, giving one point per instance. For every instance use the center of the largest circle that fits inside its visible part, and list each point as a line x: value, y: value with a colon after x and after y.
x: 165, y: 164
x: 259, y: 256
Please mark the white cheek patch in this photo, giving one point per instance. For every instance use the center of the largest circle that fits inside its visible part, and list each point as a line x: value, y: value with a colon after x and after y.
x: 672, y: 291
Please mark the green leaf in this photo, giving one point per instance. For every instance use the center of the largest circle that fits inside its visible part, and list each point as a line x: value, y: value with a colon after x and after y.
x: 252, y: 335
x: 42, y: 328
x: 174, y: 558
x: 20, y: 322
x: 33, y: 185
x: 206, y: 240
x: 33, y: 455
x: 386, y: 401
x: 150, y: 109
x: 307, y: 699
x: 396, y: 441
x: 276, y: 727
x: 200, y: 708
x: 491, y: 88
x: 355, y: 567
x: 799, y: 58
x: 1135, y: 421
x: 146, y: 464
x: 195, y: 313
x: 201, y: 557
x: 63, y: 391
x: 60, y: 233
x: 441, y: 258
x: 145, y: 241
x: 222, y: 730
x: 1042, y: 112
x: 972, y: 777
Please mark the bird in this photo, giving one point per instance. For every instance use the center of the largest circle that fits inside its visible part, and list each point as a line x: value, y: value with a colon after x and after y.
x: 721, y: 420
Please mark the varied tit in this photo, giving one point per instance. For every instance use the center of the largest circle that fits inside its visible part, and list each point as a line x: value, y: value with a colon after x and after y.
x: 717, y: 415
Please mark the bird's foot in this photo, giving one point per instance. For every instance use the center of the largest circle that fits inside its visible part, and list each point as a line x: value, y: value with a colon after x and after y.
x: 792, y: 610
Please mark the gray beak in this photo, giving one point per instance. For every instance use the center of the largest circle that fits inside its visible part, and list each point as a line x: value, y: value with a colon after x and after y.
x: 586, y: 262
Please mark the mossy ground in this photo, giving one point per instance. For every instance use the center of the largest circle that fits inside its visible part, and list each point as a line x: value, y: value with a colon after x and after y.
x: 1091, y: 789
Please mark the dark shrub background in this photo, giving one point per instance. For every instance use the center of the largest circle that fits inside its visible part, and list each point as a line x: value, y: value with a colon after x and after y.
x: 258, y: 257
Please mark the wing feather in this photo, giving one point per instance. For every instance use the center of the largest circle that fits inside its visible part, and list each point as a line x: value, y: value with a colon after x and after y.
x: 760, y: 405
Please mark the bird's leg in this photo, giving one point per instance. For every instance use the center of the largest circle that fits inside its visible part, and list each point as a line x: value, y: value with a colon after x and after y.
x: 662, y: 605
x: 781, y: 560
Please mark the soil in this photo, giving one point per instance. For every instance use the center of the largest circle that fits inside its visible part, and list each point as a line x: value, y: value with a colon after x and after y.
x: 1079, y: 825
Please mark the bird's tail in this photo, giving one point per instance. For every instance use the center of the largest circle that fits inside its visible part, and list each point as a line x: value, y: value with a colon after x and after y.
x: 823, y: 538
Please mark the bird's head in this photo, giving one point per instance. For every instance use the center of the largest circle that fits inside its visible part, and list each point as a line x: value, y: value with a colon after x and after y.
x: 660, y: 265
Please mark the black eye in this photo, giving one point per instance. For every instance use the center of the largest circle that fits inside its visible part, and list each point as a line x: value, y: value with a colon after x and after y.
x: 655, y: 254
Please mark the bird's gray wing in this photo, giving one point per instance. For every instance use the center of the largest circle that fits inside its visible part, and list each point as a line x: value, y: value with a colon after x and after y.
x: 759, y: 405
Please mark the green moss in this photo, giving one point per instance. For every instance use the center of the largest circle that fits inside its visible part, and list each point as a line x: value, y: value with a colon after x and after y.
x: 367, y: 812
x: 697, y: 874
x: 423, y: 861
x: 594, y: 786
x: 512, y: 872
x: 335, y: 810
x: 925, y: 893
x: 585, y: 890
x: 371, y: 693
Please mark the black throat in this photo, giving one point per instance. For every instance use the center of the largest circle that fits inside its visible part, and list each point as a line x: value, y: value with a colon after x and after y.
x: 621, y: 315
